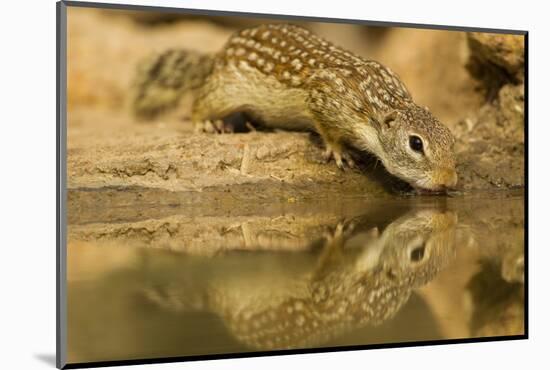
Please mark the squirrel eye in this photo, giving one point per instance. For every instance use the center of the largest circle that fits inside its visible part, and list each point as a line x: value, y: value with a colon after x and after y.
x: 418, y: 253
x: 416, y: 144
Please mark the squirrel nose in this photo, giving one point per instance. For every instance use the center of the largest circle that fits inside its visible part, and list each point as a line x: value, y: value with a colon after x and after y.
x: 448, y: 178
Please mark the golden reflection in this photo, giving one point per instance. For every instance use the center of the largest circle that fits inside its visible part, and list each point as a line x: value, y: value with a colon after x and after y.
x: 362, y: 275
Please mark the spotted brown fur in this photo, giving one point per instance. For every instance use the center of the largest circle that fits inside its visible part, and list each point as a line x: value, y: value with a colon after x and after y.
x: 284, y: 76
x: 293, y: 54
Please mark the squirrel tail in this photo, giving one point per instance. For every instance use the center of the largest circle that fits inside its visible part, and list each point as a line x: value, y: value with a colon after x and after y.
x: 163, y: 78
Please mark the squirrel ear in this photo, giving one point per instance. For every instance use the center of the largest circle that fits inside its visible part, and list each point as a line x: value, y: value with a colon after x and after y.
x: 389, y: 118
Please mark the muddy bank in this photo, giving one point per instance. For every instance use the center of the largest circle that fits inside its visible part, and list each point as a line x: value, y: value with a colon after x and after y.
x: 210, y: 223
x: 217, y: 222
x: 473, y: 82
x: 106, y: 150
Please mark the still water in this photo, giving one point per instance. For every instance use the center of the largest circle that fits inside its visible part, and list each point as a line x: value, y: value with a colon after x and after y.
x: 149, y: 280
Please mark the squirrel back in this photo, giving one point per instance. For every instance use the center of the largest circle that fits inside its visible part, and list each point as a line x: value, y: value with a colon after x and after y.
x: 163, y: 78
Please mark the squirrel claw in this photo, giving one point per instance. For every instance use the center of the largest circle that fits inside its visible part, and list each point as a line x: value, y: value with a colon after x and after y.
x: 342, y: 159
x: 213, y: 127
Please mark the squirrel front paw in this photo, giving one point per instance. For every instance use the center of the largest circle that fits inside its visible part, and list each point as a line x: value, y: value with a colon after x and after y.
x: 213, y: 127
x: 343, y: 159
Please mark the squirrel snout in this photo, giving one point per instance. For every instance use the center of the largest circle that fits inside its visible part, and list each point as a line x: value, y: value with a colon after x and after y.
x: 445, y: 178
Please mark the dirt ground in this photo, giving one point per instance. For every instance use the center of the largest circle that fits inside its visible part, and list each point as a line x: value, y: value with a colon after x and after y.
x: 473, y: 82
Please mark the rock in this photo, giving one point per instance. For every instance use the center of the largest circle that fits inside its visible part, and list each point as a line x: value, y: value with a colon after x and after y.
x: 505, y: 51
x: 496, y: 60
x: 490, y: 142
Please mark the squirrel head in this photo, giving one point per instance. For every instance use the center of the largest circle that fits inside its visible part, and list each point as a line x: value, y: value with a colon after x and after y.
x: 417, y: 147
x: 419, y: 245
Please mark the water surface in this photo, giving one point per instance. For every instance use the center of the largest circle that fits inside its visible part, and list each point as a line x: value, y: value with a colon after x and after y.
x: 148, y: 280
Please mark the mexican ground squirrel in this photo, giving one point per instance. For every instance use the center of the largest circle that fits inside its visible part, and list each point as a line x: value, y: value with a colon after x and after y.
x: 283, y: 76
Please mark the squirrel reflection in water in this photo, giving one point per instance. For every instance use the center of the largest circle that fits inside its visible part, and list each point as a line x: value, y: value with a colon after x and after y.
x: 361, y: 277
